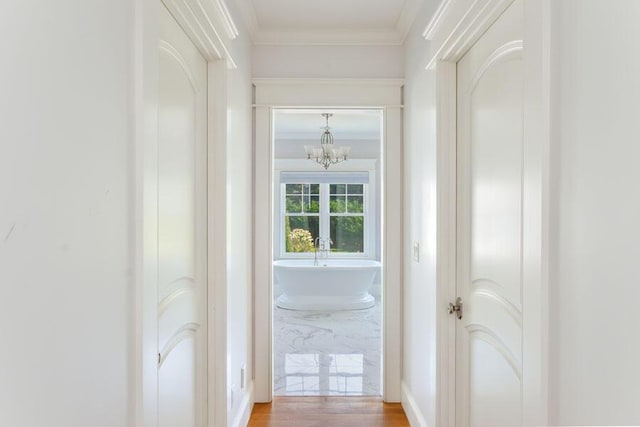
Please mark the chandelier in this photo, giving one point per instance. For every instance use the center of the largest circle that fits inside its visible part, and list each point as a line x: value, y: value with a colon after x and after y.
x: 327, y: 154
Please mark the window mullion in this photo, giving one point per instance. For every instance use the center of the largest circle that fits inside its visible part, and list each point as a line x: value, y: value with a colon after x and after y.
x: 366, y: 216
x: 324, y: 211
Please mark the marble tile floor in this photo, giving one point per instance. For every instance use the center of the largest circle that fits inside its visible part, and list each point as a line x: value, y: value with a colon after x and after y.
x: 318, y: 353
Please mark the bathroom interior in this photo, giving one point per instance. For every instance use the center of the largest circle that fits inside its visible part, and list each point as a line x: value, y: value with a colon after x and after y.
x: 327, y: 308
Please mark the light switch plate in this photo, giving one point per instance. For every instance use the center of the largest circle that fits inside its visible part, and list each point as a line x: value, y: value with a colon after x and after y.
x: 416, y: 251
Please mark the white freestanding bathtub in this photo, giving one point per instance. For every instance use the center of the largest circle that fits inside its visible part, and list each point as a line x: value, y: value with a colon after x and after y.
x: 331, y: 285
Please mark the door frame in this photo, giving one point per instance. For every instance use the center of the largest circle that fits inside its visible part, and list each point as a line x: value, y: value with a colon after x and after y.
x: 453, y: 30
x: 210, y: 28
x: 383, y: 94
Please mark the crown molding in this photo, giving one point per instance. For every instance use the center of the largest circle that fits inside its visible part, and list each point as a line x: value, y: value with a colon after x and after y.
x: 436, y: 19
x: 407, y: 17
x: 249, y: 17
x: 328, y: 38
x: 278, y: 81
x: 227, y: 20
x: 392, y: 36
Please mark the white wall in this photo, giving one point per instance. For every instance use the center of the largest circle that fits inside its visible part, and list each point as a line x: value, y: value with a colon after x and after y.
x: 419, y: 368
x: 66, y: 191
x: 239, y: 223
x: 595, y: 286
x: 65, y: 198
x: 328, y: 61
x: 595, y: 209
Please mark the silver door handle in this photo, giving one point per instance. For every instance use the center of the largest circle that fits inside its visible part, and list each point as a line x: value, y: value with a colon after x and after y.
x: 456, y: 308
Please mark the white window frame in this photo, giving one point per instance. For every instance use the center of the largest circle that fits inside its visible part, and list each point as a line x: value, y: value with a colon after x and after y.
x: 370, y: 214
x: 282, y: 214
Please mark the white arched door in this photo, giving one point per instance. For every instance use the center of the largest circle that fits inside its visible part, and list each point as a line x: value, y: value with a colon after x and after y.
x: 182, y: 136
x: 491, y: 214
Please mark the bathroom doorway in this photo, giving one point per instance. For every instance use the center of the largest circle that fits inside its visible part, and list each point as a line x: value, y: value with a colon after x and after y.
x: 327, y: 270
x: 313, y: 97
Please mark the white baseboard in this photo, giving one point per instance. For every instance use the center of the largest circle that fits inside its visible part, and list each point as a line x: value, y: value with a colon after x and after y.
x: 246, y: 406
x: 410, y: 406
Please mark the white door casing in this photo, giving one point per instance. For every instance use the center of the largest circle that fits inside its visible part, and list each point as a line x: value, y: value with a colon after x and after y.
x: 490, y: 104
x: 182, y: 225
x: 385, y: 94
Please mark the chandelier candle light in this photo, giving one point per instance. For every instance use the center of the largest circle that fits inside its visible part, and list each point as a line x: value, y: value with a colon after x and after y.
x: 327, y: 154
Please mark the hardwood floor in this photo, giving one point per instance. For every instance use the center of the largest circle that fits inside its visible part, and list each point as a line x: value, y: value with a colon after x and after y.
x: 328, y: 411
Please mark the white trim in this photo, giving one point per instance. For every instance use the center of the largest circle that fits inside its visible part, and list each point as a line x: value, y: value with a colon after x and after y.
x: 332, y: 93
x: 324, y: 216
x: 460, y: 29
x: 227, y: 19
x: 286, y: 81
x: 217, y: 229
x: 352, y: 165
x: 411, y: 409
x: 201, y: 22
x: 307, y: 93
x: 436, y: 19
x: 446, y: 242
x: 407, y: 17
x: 246, y: 406
x: 249, y: 17
x: 461, y: 26
x: 263, y: 255
x: 392, y: 224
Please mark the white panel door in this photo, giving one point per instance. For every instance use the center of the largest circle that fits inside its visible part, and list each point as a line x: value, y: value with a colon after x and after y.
x: 490, y: 221
x: 182, y: 112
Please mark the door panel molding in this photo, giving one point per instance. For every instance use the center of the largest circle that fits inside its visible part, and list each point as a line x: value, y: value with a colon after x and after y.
x: 169, y: 49
x: 186, y: 331
x: 187, y: 286
x: 508, y: 306
x: 483, y: 333
x: 505, y: 52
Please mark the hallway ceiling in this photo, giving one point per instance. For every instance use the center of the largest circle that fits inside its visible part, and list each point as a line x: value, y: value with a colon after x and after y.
x: 329, y: 22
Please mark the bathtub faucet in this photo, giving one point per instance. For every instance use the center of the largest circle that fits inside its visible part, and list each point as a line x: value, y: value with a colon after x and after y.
x: 315, y: 251
x: 325, y: 247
